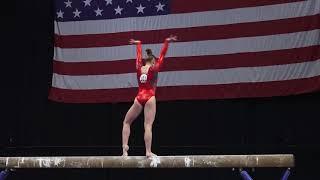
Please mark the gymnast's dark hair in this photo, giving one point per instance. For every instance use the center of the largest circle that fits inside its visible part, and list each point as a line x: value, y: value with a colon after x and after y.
x: 149, y: 53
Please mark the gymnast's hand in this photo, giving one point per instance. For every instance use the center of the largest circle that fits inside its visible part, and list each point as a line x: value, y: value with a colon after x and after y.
x: 132, y: 41
x: 172, y: 38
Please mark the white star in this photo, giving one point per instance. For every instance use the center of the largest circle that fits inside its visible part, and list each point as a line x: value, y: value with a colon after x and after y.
x: 68, y: 3
x: 140, y: 9
x: 60, y: 14
x: 76, y: 13
x: 160, y: 7
x: 87, y: 3
x: 129, y: 1
x: 98, y: 12
x: 118, y: 10
x: 108, y: 2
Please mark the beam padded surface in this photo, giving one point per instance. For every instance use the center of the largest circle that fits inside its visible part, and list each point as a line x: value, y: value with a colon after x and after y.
x: 193, y: 161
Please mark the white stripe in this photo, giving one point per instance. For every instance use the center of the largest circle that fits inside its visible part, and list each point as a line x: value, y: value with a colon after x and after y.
x: 198, y: 77
x: 196, y: 19
x: 194, y: 48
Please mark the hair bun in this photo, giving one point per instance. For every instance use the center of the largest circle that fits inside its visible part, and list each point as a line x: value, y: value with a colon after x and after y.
x: 149, y: 52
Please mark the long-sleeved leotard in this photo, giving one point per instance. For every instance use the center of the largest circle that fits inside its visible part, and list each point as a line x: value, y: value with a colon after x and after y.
x: 148, y: 82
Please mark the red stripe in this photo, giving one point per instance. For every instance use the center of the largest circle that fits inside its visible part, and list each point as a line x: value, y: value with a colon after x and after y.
x: 209, y: 5
x: 264, y: 89
x: 192, y: 34
x: 266, y: 58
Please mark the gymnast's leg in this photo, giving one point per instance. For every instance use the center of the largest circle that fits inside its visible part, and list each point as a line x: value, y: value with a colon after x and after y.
x: 131, y: 115
x: 149, y: 115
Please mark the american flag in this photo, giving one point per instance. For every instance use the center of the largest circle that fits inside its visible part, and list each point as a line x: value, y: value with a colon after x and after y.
x: 226, y: 49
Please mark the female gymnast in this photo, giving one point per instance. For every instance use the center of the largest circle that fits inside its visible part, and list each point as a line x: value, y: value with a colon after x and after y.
x: 147, y: 73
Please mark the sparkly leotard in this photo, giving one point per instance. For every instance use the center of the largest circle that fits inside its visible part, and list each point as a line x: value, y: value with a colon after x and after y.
x: 148, y: 82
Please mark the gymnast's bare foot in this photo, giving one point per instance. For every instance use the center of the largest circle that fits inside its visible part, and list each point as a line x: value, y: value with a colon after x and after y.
x: 125, y: 149
x: 150, y: 154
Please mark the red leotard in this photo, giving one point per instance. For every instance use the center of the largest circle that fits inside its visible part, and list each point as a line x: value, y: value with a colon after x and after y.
x: 148, y: 82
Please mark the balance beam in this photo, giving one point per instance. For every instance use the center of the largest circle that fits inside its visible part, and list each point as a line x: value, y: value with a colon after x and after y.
x: 192, y: 161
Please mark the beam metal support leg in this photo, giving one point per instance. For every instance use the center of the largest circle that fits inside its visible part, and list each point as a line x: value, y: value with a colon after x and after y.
x: 286, y: 174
